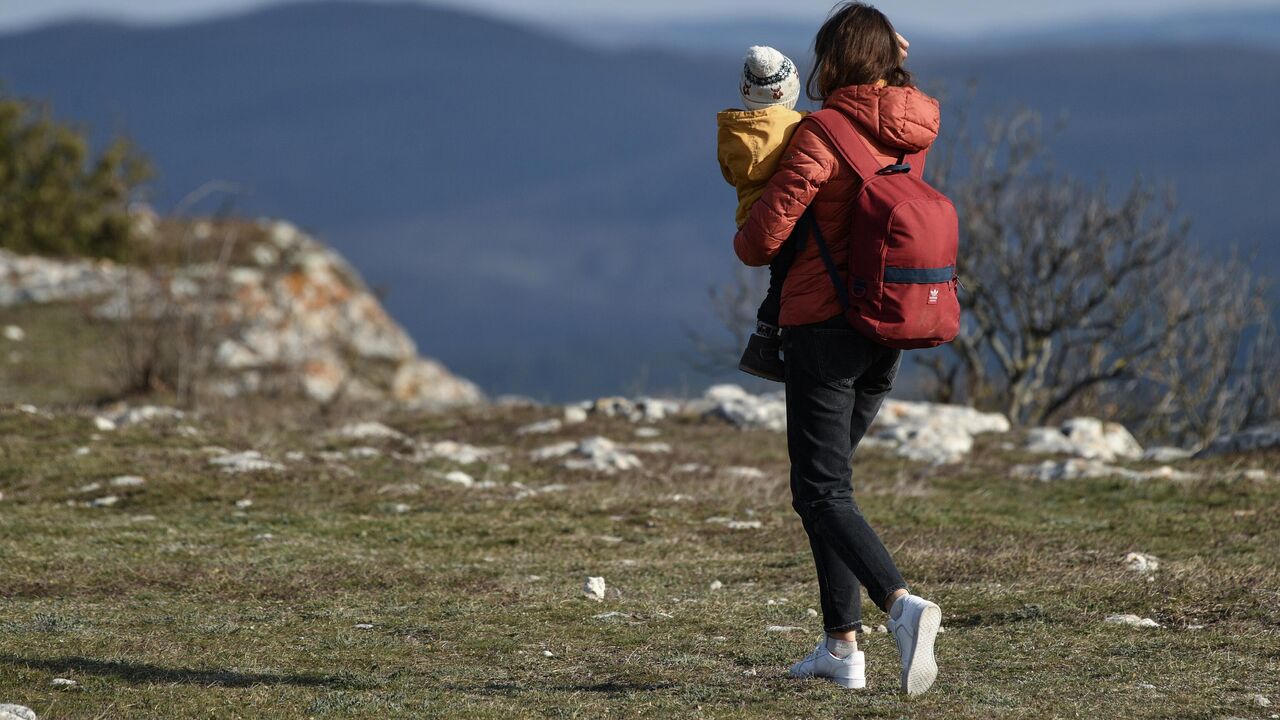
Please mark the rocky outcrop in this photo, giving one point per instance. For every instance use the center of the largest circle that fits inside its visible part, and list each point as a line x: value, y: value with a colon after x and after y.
x: 305, y: 312
x: 289, y: 315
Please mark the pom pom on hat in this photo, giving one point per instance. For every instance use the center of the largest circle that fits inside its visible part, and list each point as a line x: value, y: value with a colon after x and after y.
x: 769, y: 78
x: 764, y: 61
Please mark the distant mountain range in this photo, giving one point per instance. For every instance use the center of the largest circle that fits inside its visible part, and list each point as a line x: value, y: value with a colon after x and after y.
x: 547, y: 216
x: 1244, y: 27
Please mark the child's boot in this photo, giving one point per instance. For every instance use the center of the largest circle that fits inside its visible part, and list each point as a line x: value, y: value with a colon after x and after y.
x: 763, y: 356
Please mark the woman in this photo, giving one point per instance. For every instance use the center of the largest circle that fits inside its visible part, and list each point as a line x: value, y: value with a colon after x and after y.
x: 836, y: 379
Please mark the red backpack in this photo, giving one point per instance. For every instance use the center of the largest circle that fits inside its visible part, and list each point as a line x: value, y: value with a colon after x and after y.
x: 903, y: 240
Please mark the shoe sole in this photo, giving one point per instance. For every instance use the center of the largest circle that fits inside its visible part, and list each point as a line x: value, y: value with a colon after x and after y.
x: 924, y: 669
x: 849, y: 683
x: 846, y: 683
x: 760, y: 374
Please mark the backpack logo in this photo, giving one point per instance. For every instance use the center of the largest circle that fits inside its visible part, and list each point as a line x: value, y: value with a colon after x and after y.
x: 933, y: 296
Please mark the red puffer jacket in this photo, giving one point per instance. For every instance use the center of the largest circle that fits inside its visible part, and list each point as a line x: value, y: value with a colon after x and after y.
x: 891, y: 119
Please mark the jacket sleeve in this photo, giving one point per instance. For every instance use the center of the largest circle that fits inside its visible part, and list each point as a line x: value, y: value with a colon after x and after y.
x: 732, y: 153
x: 806, y: 167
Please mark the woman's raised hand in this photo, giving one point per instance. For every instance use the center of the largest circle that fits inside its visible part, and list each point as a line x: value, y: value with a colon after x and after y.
x: 903, y: 46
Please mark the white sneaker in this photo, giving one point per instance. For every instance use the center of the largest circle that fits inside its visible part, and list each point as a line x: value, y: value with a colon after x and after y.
x: 914, y: 631
x: 850, y: 672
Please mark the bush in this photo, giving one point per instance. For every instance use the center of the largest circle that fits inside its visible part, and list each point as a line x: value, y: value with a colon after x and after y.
x: 55, y: 198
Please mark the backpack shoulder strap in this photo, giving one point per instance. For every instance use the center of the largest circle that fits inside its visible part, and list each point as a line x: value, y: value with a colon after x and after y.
x: 848, y: 143
x: 810, y: 223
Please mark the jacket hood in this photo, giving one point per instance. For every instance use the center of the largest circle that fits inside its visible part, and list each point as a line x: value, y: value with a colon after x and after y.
x: 900, y: 117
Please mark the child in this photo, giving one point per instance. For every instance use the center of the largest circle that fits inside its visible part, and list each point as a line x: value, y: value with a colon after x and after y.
x: 751, y: 145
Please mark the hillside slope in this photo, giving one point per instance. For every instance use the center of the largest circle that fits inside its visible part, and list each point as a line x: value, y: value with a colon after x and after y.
x: 547, y: 217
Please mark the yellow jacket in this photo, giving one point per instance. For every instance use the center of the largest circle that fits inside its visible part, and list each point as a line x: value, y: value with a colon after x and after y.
x: 750, y: 147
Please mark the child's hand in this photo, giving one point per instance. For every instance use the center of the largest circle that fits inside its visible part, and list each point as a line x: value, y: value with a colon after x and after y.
x: 903, y: 46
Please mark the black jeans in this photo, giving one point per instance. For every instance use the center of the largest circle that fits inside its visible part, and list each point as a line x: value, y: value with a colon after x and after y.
x: 836, y: 381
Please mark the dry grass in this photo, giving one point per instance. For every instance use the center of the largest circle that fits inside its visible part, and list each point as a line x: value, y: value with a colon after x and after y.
x: 172, y: 604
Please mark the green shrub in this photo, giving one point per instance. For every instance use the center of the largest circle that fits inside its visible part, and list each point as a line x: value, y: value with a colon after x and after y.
x: 55, y: 197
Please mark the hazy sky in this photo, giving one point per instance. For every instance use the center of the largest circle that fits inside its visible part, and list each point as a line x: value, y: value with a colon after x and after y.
x: 940, y: 15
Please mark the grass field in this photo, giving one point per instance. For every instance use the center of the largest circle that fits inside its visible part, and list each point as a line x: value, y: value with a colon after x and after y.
x: 364, y: 585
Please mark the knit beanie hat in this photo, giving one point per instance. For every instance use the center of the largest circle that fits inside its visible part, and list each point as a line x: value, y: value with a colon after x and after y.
x: 769, y: 78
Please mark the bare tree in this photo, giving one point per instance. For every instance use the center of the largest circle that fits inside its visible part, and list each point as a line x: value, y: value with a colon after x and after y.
x: 1077, y: 302
x: 164, y: 313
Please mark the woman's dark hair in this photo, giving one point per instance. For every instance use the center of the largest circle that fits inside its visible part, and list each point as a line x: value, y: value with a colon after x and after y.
x: 857, y: 45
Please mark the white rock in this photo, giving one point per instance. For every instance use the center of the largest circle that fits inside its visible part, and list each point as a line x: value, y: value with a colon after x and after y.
x: 1254, y: 475
x: 1261, y: 700
x: 1165, y: 454
x: 594, y: 588
x: 128, y: 481
x: 936, y: 444
x: 781, y: 628
x: 138, y: 415
x: 739, y: 472
x: 612, y: 614
x: 1088, y: 438
x: 35, y: 279
x: 686, y: 468
x: 933, y: 432
x: 14, y: 333
x: 364, y: 452
x: 368, y: 430
x: 715, y: 585
x: 613, y: 407
x: 244, y: 462
x: 542, y: 427
x: 1077, y: 468
x: 557, y: 450
x: 400, y: 508
x: 63, y: 682
x: 548, y: 653
x: 741, y: 408
x: 265, y: 255
x: 926, y: 432
x: 596, y: 454
x: 456, y: 452
x: 16, y: 712
x: 881, y: 629
x: 1132, y: 620
x: 652, y: 410
x: 423, y: 383
x: 744, y: 524
x: 652, y: 448
x: 106, y: 501
x: 647, y: 432
x: 244, y: 503
x: 1141, y: 562
x: 458, y: 477
x: 104, y: 424
x: 574, y: 414
x: 82, y: 451
x: 810, y: 613
x: 363, y: 626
